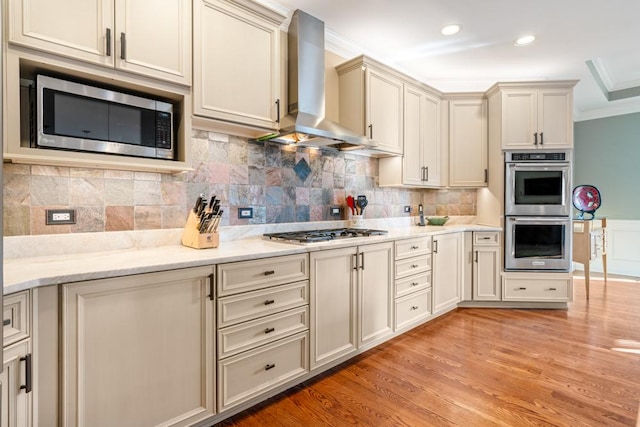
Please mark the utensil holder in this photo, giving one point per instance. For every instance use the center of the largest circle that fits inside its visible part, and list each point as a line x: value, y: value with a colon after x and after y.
x: 192, y: 237
x: 357, y: 220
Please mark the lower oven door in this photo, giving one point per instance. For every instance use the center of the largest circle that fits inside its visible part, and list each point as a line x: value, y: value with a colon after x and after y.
x: 537, y: 243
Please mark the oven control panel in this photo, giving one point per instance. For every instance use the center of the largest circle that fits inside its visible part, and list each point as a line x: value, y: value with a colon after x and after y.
x: 537, y: 157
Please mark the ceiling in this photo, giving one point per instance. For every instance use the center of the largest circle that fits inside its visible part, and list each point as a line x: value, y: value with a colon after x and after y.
x: 593, y: 41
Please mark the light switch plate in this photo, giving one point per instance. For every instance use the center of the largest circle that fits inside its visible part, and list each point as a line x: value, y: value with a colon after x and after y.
x: 407, y: 209
x: 245, y: 213
x: 334, y: 211
x: 61, y: 216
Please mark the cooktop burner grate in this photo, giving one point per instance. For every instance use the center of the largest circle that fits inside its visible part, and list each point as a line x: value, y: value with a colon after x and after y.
x: 311, y: 236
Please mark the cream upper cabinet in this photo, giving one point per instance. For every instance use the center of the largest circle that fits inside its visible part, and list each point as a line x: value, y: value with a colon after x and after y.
x: 371, y: 102
x: 138, y: 350
x: 537, y: 118
x: 237, y: 72
x: 447, y: 254
x: 146, y: 37
x: 468, y: 142
x: 421, y: 164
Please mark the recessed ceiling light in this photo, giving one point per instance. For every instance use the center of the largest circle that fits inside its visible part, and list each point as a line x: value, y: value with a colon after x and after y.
x: 525, y: 40
x: 450, y: 30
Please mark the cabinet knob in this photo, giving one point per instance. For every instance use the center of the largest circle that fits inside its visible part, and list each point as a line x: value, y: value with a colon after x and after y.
x: 414, y: 266
x: 269, y: 302
x: 553, y: 289
x: 415, y: 247
x: 269, y: 366
x: 415, y: 307
x: 415, y: 284
x: 521, y: 289
x: 269, y: 272
x: 269, y: 330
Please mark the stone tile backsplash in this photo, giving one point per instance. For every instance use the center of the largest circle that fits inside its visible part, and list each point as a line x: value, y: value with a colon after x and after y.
x: 281, y: 183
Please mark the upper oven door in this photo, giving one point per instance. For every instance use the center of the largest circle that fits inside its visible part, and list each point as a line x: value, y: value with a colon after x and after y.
x: 537, y: 189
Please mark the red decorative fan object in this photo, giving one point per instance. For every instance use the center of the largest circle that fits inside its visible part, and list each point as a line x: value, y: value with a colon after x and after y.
x: 586, y: 199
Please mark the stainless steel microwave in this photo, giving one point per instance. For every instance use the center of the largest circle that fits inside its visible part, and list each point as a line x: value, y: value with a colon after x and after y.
x: 74, y: 116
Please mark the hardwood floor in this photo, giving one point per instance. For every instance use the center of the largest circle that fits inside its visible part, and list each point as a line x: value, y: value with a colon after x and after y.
x: 485, y: 367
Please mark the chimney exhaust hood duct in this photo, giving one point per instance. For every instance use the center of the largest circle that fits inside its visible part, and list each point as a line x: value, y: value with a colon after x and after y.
x: 305, y: 124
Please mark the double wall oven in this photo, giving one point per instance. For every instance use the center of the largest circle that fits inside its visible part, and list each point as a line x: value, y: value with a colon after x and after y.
x: 538, y: 211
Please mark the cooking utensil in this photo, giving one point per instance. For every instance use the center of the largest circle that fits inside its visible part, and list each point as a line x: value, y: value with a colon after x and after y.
x: 362, y: 203
x: 351, y: 204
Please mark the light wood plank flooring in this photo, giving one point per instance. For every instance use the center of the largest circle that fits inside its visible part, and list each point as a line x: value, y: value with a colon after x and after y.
x: 485, y: 367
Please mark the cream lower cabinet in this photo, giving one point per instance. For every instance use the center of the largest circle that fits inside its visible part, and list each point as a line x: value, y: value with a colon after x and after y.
x: 468, y: 142
x: 262, y: 326
x: 486, y: 266
x: 351, y: 300
x: 147, y: 37
x: 237, y: 75
x: 447, y: 255
x: 139, y: 350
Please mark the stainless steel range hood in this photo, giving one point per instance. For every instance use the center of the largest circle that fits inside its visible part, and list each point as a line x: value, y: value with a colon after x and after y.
x: 305, y: 123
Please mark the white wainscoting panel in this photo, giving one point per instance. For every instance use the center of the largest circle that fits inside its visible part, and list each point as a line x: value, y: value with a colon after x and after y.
x: 623, y: 249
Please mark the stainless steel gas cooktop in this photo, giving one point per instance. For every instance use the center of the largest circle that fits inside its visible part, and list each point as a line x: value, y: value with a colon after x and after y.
x: 311, y: 236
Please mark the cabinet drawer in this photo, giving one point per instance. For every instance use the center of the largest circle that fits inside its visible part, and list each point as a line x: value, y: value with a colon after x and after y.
x: 247, y: 335
x: 251, y: 305
x: 413, y: 308
x: 412, y: 284
x: 252, y: 373
x: 413, y: 247
x: 15, y: 317
x: 414, y: 265
x: 544, y: 290
x: 251, y: 275
x: 486, y: 238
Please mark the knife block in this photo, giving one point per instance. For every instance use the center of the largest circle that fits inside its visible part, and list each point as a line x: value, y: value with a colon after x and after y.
x: 192, y: 238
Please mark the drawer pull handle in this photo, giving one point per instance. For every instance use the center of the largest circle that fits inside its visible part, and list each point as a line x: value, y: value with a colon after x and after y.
x: 269, y: 272
x: 27, y: 373
x: 269, y: 301
x: 414, y: 265
x: 269, y: 330
x: 486, y: 238
x: 269, y: 366
x: 414, y: 283
x: 415, y: 307
x: 521, y: 289
x: 415, y: 247
x: 553, y: 289
x: 6, y: 322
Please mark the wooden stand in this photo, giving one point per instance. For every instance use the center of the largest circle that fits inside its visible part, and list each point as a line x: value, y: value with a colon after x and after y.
x: 589, y: 244
x: 192, y: 238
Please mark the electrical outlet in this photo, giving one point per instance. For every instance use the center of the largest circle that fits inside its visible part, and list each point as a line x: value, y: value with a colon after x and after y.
x: 407, y: 209
x: 245, y: 213
x: 61, y: 216
x: 334, y: 211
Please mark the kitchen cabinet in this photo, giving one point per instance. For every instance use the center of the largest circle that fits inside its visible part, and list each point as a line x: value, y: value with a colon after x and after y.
x: 237, y: 73
x: 420, y: 166
x: 589, y: 244
x: 16, y: 405
x: 138, y: 350
x: 486, y: 266
x: 146, y: 37
x: 351, y: 301
x: 537, y: 287
x: 262, y: 326
x: 371, y: 102
x: 412, y: 282
x: 468, y: 142
x: 447, y: 253
x: 537, y: 118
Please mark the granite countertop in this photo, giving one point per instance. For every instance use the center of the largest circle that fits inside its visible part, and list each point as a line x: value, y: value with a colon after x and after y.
x: 108, y: 255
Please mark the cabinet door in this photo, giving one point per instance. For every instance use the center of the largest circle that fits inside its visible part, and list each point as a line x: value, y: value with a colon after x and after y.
x: 80, y: 29
x: 412, y: 170
x: 138, y: 350
x: 384, y: 111
x: 236, y: 65
x: 555, y: 118
x: 519, y: 118
x: 153, y: 38
x: 468, y: 143
x: 447, y: 271
x: 332, y: 305
x: 16, y: 402
x: 431, y: 143
x: 375, y: 292
x: 486, y: 274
